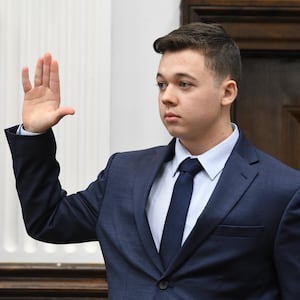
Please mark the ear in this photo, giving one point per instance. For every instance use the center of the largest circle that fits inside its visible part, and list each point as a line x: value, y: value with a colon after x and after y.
x: 230, y: 92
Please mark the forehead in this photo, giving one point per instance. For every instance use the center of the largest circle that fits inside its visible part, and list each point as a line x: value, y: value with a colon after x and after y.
x: 186, y: 61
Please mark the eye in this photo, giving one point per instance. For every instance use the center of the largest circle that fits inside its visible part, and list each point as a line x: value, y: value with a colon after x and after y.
x: 184, y: 84
x: 161, y: 85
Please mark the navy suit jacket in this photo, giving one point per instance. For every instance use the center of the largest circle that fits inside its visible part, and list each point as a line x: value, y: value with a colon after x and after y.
x: 245, y: 245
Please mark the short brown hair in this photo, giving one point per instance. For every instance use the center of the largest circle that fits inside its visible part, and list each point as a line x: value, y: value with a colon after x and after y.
x: 221, y: 52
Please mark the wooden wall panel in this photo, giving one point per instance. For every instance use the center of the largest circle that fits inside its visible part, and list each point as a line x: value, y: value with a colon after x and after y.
x: 255, y: 25
x: 52, y: 281
x: 268, y: 34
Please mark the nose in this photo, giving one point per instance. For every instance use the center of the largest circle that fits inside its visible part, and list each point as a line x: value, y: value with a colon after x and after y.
x: 168, y: 96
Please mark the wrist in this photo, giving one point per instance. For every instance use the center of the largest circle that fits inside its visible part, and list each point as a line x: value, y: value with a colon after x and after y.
x: 23, y: 131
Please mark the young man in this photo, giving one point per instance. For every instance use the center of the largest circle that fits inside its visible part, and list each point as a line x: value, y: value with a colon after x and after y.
x: 240, y: 233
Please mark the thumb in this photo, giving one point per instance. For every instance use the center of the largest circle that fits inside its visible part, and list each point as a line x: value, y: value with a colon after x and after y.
x: 64, y: 111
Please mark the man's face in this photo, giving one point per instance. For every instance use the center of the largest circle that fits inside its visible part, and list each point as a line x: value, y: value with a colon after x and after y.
x: 190, y: 97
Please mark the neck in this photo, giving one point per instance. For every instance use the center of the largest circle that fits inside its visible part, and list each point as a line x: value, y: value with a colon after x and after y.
x: 205, y: 142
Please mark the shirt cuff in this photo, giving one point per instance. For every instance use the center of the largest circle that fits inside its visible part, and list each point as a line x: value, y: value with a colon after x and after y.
x: 22, y: 131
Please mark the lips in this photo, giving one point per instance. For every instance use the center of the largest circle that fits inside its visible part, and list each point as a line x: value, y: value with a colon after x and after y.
x: 170, y: 117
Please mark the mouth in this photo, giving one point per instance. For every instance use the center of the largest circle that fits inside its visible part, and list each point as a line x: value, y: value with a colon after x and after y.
x: 170, y: 117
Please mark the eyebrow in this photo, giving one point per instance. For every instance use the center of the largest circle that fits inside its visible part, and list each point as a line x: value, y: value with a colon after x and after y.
x: 178, y: 75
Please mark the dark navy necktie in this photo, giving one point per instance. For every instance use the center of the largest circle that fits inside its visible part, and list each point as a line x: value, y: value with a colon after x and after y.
x: 176, y: 216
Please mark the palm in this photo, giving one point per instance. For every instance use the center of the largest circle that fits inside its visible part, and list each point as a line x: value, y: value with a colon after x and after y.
x: 39, y: 108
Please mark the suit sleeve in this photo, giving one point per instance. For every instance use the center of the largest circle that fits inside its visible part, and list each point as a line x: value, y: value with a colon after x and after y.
x: 49, y: 213
x: 287, y: 250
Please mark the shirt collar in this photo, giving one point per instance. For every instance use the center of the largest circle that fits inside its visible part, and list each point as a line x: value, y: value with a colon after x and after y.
x: 213, y: 160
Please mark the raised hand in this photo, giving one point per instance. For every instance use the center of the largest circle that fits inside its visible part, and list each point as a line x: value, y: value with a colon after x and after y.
x: 41, y: 107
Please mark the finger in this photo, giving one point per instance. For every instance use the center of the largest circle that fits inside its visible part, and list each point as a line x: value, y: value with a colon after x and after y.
x: 54, y: 78
x: 64, y: 111
x: 25, y: 80
x: 46, y: 69
x: 38, y: 72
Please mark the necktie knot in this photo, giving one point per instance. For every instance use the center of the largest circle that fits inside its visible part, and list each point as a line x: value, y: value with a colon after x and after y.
x: 191, y: 166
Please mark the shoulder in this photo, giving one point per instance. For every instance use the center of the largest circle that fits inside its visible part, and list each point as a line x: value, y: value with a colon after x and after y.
x: 166, y: 152
x: 132, y: 158
x: 277, y: 169
x: 270, y: 169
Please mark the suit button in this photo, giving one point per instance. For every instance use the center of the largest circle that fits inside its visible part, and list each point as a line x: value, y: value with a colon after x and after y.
x: 163, y: 285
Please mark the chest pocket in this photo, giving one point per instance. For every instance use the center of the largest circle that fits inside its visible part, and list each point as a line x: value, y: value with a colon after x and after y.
x: 239, y: 231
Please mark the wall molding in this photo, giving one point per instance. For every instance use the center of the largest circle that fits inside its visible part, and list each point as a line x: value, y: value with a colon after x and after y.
x: 254, y: 25
x: 53, y: 281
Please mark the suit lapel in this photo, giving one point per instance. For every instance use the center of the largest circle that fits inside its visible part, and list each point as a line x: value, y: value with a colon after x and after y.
x: 146, y: 173
x: 237, y: 175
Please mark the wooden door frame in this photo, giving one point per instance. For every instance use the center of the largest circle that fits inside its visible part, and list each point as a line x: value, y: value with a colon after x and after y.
x: 262, y: 24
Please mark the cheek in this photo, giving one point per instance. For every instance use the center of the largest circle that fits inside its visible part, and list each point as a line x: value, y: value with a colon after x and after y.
x: 207, y: 102
x: 160, y: 106
x: 161, y: 110
x: 203, y: 110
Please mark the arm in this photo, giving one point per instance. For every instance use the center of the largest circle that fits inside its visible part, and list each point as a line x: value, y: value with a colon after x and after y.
x: 49, y: 213
x: 287, y: 250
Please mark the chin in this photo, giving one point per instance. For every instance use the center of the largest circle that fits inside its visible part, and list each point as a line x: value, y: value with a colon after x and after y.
x: 175, y: 134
